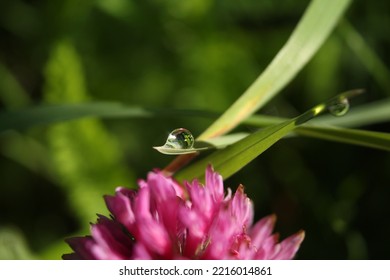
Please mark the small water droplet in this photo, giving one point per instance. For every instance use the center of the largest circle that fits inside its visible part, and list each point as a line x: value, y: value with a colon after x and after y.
x: 339, y: 107
x: 180, y: 138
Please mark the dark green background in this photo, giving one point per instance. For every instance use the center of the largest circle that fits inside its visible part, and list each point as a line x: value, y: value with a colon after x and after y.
x: 194, y: 54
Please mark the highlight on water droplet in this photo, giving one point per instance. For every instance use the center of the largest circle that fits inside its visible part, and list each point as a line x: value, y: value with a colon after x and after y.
x: 180, y: 141
x: 339, y: 107
x: 180, y: 138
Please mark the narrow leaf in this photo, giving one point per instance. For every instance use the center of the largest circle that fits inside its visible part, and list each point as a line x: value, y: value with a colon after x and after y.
x: 371, y: 139
x: 234, y: 157
x: 315, y: 26
x: 375, y: 112
x: 231, y: 159
x: 324, y: 127
x: 48, y: 114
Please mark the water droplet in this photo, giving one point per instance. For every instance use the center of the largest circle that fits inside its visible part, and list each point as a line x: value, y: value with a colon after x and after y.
x: 180, y: 138
x: 339, y: 107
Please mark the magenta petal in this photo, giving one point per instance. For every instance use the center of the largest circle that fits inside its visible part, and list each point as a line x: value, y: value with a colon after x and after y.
x: 154, y: 237
x: 271, y: 247
x: 159, y: 222
x: 242, y: 208
x: 290, y: 246
x: 214, y: 182
x: 82, y: 247
x: 262, y: 230
x: 149, y: 229
x: 163, y: 187
x: 222, y: 235
x: 120, y: 206
x: 112, y: 242
x: 141, y: 252
x: 71, y: 256
x: 166, y: 200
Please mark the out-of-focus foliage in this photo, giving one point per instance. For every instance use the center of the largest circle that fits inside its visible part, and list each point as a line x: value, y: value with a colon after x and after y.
x: 194, y: 54
x: 86, y: 157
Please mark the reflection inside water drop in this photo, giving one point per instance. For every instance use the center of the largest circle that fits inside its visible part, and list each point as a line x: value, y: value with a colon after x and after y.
x: 180, y: 138
x: 339, y: 107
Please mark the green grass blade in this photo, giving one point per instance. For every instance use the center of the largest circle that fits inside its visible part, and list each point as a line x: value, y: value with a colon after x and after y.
x: 315, y: 26
x: 359, y: 137
x: 371, y: 139
x: 234, y: 157
x: 367, y: 114
x: 324, y: 127
x: 48, y: 114
x: 375, y: 112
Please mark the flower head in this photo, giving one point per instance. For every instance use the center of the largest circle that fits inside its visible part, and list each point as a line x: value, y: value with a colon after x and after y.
x: 164, y: 221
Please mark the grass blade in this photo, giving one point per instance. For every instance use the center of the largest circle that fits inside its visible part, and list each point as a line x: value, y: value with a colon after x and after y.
x: 371, y: 139
x: 234, y: 157
x: 375, y: 112
x: 48, y: 114
x: 324, y: 127
x: 317, y: 23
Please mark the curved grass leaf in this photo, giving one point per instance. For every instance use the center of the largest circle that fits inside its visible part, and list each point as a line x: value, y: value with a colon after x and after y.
x: 48, y: 114
x: 313, y: 29
x: 375, y: 112
x: 371, y: 139
x: 365, y: 138
x: 367, y: 114
x: 358, y: 116
x: 231, y: 159
x: 326, y: 127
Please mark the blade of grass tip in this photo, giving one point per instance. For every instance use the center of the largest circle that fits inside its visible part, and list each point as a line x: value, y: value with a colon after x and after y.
x: 371, y: 139
x: 312, y: 30
x: 326, y: 129
x: 234, y: 157
x: 231, y: 159
x: 48, y: 114
x: 364, y: 138
x: 367, y: 114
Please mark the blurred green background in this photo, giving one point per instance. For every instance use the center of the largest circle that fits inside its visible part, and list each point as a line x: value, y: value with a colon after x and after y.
x: 194, y: 54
